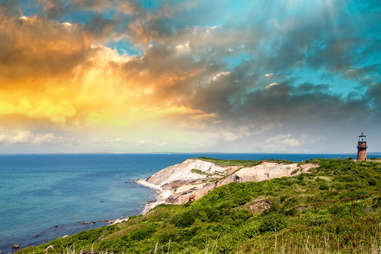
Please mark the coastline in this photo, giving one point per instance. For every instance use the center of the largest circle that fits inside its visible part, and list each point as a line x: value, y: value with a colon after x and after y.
x: 116, y: 221
x: 160, y: 197
x: 194, y: 178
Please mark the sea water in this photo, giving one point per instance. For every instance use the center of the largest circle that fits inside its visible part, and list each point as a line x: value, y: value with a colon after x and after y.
x: 43, y: 197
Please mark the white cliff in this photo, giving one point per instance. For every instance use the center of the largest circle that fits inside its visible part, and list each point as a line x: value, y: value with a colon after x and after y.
x: 194, y: 178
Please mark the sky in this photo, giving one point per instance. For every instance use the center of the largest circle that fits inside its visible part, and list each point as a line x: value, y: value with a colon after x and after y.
x: 157, y: 76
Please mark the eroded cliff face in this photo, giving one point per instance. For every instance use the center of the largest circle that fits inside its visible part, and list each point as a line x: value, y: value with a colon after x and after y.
x: 194, y: 178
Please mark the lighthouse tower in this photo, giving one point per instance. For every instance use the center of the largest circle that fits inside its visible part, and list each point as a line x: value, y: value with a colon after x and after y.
x: 361, y: 147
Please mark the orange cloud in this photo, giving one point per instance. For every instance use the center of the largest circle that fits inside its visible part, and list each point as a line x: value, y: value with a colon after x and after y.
x: 57, y: 72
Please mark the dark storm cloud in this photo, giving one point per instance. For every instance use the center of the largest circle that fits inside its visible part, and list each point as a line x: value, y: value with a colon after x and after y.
x: 306, y: 105
x: 11, y: 6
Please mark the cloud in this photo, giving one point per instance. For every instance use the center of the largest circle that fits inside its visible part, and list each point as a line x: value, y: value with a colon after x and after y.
x: 183, y: 47
x: 27, y: 137
x: 220, y: 75
x: 283, y: 141
x: 271, y: 85
x: 236, y: 79
x: 268, y: 75
x: 65, y: 77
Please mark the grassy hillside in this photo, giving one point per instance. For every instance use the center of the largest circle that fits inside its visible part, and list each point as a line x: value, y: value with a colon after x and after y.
x: 242, y: 163
x: 309, y: 213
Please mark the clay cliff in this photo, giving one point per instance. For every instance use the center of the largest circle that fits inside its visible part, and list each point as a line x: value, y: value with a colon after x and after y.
x: 193, y: 178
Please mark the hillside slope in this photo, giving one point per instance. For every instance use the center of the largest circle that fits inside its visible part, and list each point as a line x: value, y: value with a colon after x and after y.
x: 194, y: 178
x: 334, y: 209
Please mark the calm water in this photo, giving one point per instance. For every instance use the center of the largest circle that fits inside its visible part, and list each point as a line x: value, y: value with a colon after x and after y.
x: 43, y: 197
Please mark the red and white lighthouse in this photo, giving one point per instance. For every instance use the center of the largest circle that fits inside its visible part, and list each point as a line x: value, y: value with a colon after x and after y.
x: 361, y: 147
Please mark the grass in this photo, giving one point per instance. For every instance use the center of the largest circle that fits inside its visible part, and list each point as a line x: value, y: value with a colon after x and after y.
x: 326, y: 211
x: 241, y: 163
x: 200, y: 172
x: 227, y: 163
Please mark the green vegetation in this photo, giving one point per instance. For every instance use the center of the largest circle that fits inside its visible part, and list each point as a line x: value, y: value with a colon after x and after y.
x: 200, y: 172
x: 309, y: 213
x: 241, y: 163
x: 226, y: 163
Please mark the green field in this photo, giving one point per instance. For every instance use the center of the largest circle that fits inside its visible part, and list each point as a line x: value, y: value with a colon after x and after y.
x: 334, y: 209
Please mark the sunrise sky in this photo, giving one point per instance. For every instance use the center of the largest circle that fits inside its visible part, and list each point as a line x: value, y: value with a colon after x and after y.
x: 94, y: 76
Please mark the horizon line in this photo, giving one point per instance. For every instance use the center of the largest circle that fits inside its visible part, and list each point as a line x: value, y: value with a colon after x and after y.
x: 147, y: 153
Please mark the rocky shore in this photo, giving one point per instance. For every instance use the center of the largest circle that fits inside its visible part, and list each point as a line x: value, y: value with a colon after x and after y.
x: 194, y: 178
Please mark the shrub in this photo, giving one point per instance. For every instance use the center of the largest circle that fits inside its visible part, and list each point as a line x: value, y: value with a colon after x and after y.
x: 376, y: 202
x: 183, y: 220
x: 272, y: 223
x: 117, y: 245
x: 337, y: 210
x: 323, y: 186
x: 142, y: 233
x: 90, y: 235
x: 319, y: 220
x: 240, y: 216
x: 251, y: 231
x: 213, y: 215
x: 372, y: 182
x: 166, y: 237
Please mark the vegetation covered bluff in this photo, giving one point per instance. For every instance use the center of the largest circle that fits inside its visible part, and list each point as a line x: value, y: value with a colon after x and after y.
x: 334, y: 208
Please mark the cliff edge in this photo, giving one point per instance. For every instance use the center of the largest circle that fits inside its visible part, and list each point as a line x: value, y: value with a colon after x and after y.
x: 194, y: 178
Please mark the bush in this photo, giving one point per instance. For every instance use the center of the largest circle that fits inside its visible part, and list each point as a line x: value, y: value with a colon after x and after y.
x: 186, y: 234
x: 337, y: 210
x: 251, y: 231
x: 142, y: 233
x: 166, y: 237
x: 90, y: 235
x: 212, y: 214
x: 184, y: 219
x: 319, y: 220
x: 272, y: 223
x: 117, y: 245
x: 376, y: 202
x: 323, y: 186
x: 372, y: 182
x: 240, y: 216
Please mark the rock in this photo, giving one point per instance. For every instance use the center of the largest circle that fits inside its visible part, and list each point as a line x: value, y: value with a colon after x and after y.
x: 120, y: 220
x: 260, y: 206
x: 89, y: 222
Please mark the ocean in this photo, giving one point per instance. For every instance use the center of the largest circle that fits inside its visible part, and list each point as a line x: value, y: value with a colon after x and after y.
x: 43, y: 197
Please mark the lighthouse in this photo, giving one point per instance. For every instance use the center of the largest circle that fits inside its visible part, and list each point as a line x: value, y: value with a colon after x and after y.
x: 361, y: 147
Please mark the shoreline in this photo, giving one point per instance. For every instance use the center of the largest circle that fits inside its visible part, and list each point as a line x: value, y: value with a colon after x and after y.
x: 160, y: 197
x: 60, y: 231
x: 165, y: 184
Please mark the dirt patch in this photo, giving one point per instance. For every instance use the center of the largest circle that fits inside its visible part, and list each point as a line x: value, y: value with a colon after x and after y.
x: 259, y: 206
